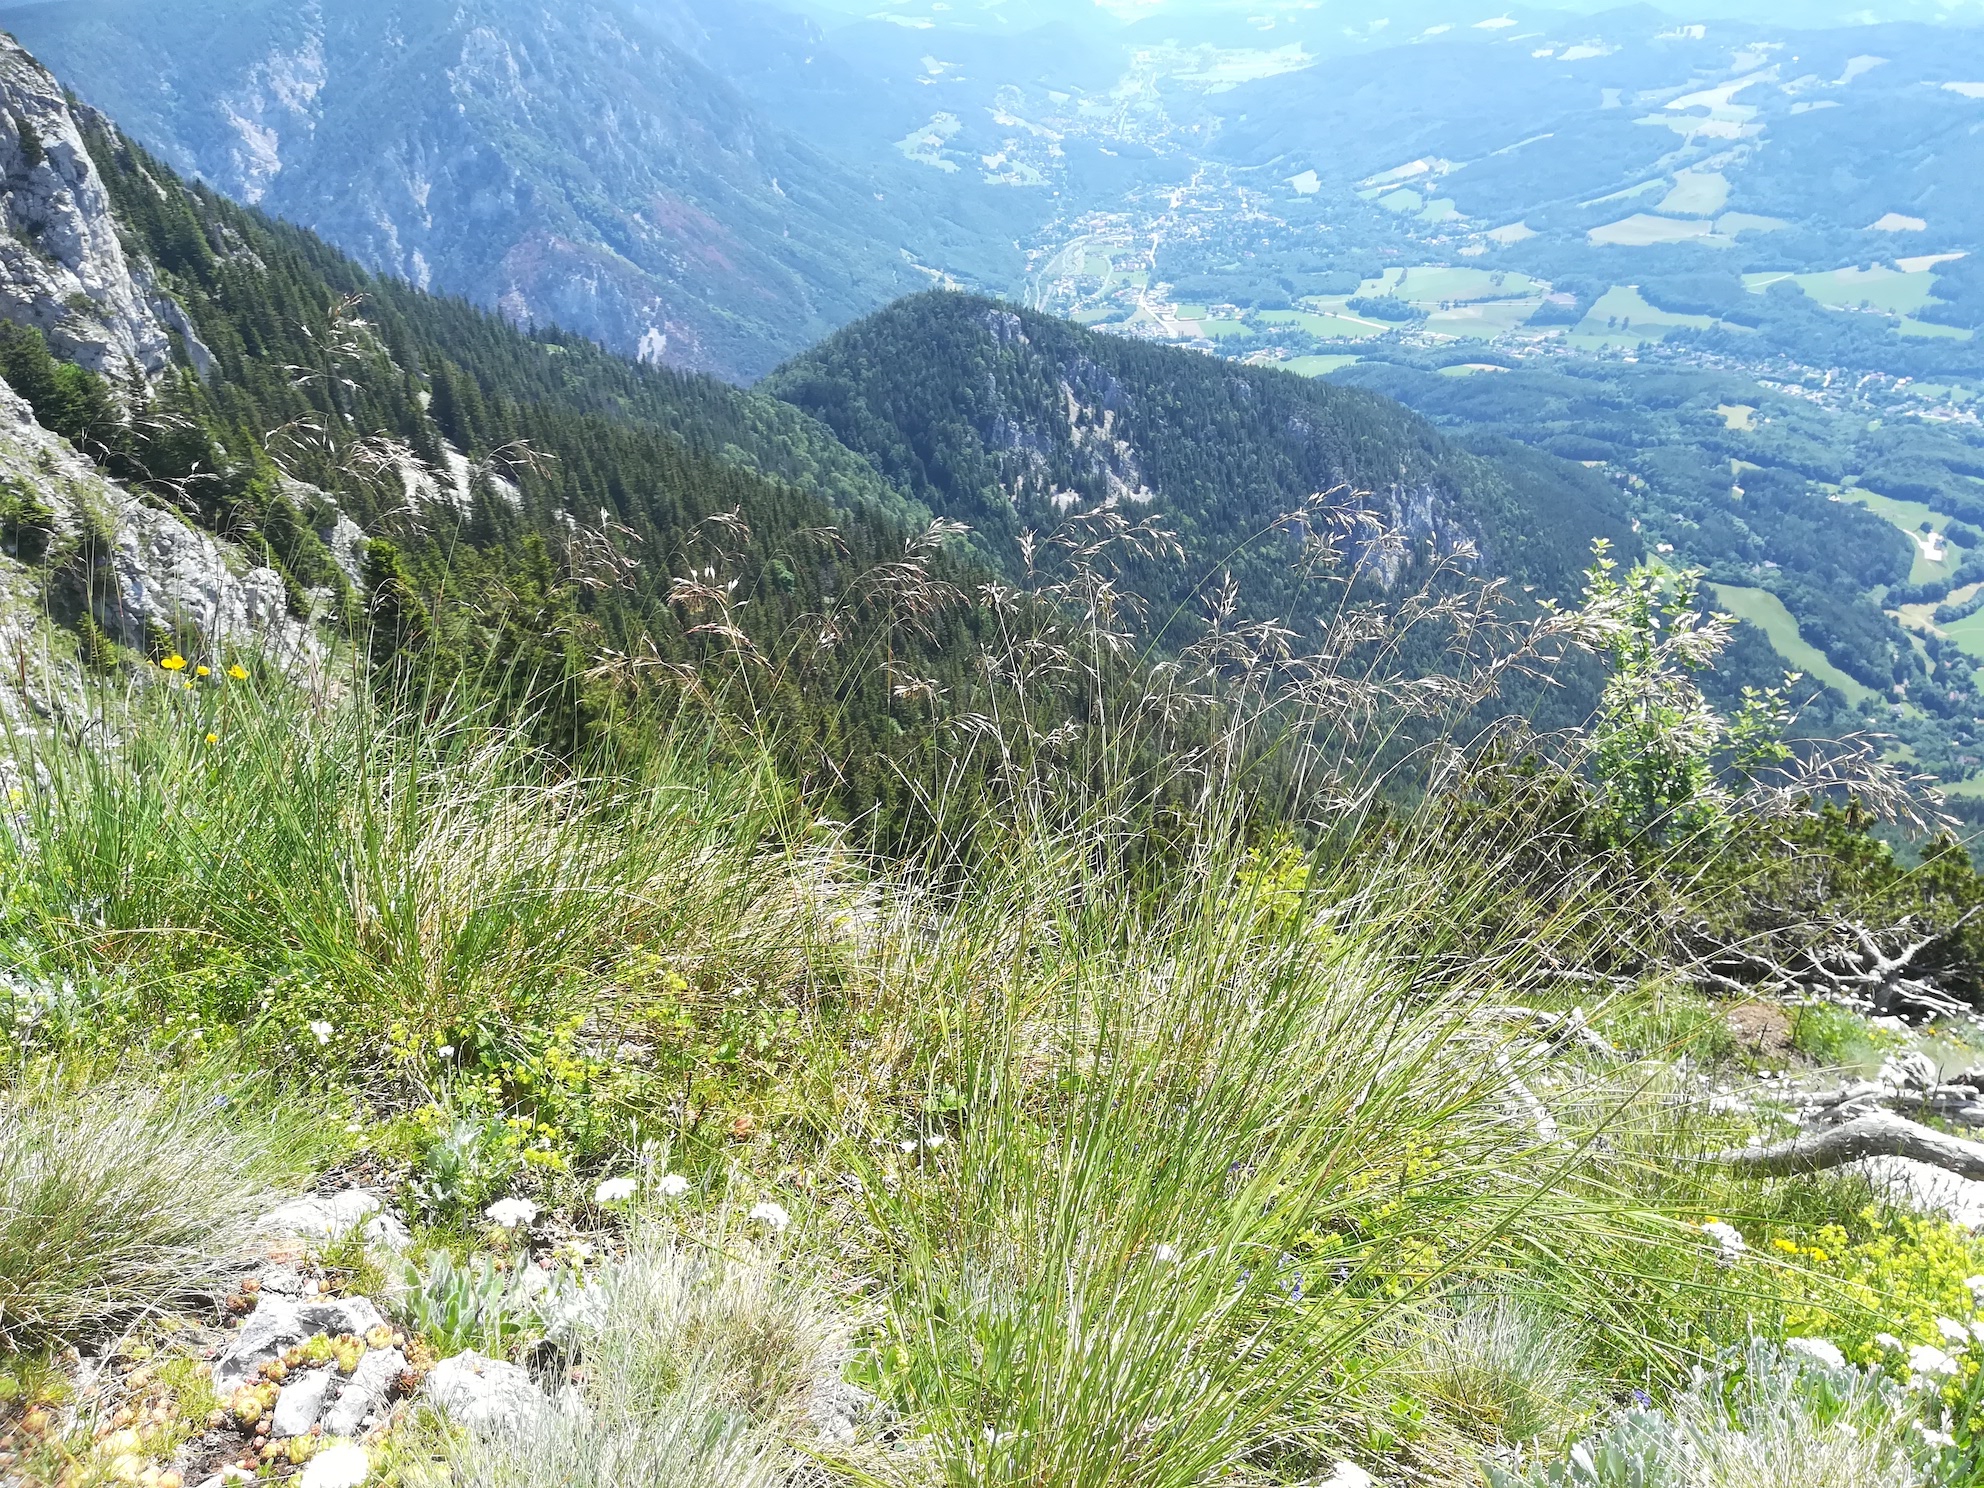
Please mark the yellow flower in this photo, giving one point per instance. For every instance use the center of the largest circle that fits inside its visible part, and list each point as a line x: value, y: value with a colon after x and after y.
x: 174, y: 663
x: 201, y: 672
x: 238, y: 672
x: 213, y: 738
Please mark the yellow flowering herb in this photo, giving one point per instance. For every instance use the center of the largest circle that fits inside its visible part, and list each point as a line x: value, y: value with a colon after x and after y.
x: 201, y: 671
x: 238, y: 672
x: 213, y: 738
x: 174, y: 663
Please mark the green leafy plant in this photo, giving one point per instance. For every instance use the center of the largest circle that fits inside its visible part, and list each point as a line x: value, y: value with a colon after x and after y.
x: 1659, y: 746
x: 458, y: 1307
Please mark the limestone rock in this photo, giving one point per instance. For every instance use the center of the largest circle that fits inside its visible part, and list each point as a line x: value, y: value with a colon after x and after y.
x: 333, y: 1216
x: 842, y: 1413
x: 366, y: 1393
x: 483, y: 1393
x: 301, y: 1402
x: 62, y: 268
x: 278, y: 1325
x: 154, y: 569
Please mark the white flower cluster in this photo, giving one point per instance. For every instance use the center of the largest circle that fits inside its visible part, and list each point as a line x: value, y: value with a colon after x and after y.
x: 1729, y: 1241
x: 512, y: 1214
x: 773, y: 1216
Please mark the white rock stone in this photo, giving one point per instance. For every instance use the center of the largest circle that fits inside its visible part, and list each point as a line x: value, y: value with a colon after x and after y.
x: 366, y: 1393
x: 333, y: 1216
x: 345, y: 1465
x: 301, y: 1403
x: 483, y: 1393
x: 1920, y: 1185
x: 1347, y: 1475
x: 278, y: 1325
x: 840, y: 1413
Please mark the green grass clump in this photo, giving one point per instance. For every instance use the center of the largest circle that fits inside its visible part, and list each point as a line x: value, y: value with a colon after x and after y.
x: 120, y: 1196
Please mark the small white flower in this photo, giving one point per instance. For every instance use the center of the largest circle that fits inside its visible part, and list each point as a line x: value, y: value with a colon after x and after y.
x: 323, y: 1031
x: 771, y: 1214
x: 933, y: 1143
x: 909, y: 1146
x: 1925, y: 1359
x: 1728, y: 1239
x: 1935, y: 1438
x: 1824, y: 1350
x: 446, y: 1051
x: 673, y: 1186
x: 614, y: 1191
x: 1953, y: 1332
x: 345, y: 1465
x: 1166, y: 1252
x: 509, y: 1213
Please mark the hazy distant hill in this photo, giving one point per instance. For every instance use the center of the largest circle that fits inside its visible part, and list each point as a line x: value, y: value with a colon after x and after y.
x: 572, y: 163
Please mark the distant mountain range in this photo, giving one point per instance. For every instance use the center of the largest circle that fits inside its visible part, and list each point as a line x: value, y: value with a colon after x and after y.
x: 718, y: 183
x: 578, y: 163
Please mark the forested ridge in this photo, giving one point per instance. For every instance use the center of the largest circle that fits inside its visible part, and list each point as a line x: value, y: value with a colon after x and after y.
x: 1001, y: 417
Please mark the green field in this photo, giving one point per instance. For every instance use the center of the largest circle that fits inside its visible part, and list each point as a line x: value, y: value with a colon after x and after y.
x: 1696, y: 194
x: 1909, y: 517
x: 1482, y: 322
x: 1318, y: 366
x: 1470, y: 369
x: 1433, y: 286
x: 1633, y: 321
x: 1327, y: 325
x: 1330, y: 321
x: 1892, y: 291
x: 1642, y: 230
x: 1931, y: 329
x: 1767, y: 612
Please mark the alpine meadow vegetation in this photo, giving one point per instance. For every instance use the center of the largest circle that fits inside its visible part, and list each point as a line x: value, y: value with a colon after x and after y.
x: 1346, y: 1100
x: 698, y: 972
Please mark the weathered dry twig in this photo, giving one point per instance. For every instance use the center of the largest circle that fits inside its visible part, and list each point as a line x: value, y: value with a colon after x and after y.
x: 1556, y: 1029
x: 1881, y: 1134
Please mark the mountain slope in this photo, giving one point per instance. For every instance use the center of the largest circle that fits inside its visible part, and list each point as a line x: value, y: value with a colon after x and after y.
x: 1010, y: 420
x: 567, y: 164
x: 325, y: 453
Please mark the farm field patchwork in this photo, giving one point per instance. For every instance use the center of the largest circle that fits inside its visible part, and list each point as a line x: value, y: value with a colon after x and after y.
x: 1318, y: 366
x: 1890, y: 289
x: 1696, y: 194
x: 1767, y: 612
x: 1622, y: 317
x: 1909, y: 517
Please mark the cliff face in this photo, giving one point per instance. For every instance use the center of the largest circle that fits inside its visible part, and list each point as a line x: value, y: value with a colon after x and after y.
x: 62, y: 269
x: 570, y: 163
x: 72, y: 541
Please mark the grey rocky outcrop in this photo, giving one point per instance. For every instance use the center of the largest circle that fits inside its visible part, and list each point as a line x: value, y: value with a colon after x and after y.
x: 333, y: 1216
x: 278, y: 1325
x: 62, y: 267
x: 149, y: 571
x: 485, y: 1394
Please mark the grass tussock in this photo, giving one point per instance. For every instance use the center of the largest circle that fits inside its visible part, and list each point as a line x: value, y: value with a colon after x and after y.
x: 701, y: 1363
x: 123, y: 1196
x: 1122, y: 1149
